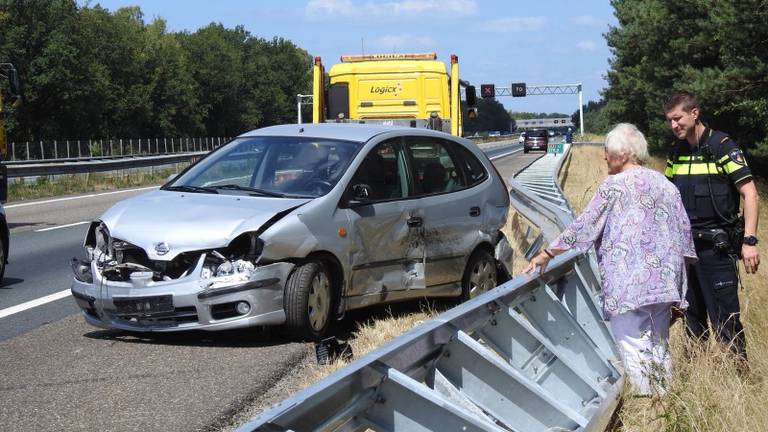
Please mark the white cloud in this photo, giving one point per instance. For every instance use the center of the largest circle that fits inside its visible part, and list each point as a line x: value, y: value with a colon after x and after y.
x: 317, y: 10
x: 586, y: 45
x: 402, y: 43
x: 328, y: 7
x: 587, y: 21
x: 508, y: 25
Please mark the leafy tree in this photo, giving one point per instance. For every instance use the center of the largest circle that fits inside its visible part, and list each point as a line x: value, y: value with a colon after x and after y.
x: 595, y: 118
x: 716, y: 50
x: 92, y: 73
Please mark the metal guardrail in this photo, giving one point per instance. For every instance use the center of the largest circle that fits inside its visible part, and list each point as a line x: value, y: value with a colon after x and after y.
x: 533, y: 354
x: 41, y: 168
x: 537, y: 196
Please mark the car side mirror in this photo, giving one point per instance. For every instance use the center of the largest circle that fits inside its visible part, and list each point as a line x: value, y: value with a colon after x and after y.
x: 471, y: 96
x: 361, y: 194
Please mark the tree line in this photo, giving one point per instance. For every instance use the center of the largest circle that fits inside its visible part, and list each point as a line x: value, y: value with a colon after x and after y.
x: 716, y: 50
x: 92, y: 73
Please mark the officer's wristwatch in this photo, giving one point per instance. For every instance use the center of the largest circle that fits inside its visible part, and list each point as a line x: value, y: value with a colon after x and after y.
x: 750, y: 240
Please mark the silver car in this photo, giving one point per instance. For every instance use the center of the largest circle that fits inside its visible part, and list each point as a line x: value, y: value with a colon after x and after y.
x: 294, y: 225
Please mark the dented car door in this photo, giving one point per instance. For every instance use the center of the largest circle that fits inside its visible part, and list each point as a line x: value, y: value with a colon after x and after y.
x: 387, y: 231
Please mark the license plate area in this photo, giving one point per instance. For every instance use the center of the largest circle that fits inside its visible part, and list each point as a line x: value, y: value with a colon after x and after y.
x: 143, y: 306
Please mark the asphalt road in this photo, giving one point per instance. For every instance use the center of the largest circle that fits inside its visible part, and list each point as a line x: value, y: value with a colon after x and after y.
x: 62, y: 374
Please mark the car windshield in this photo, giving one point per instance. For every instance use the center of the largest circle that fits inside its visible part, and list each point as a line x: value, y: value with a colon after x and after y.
x: 270, y: 166
x: 536, y: 134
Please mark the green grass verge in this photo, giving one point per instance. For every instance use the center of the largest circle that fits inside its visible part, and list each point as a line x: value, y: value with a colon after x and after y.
x: 44, y: 187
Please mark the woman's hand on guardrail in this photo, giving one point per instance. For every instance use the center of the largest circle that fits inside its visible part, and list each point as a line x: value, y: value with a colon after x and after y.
x: 541, y: 260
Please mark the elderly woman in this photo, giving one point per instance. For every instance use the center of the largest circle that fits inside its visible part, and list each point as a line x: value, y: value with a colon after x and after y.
x: 642, y: 233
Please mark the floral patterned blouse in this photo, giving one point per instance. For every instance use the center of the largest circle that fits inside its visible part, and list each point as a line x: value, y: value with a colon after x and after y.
x: 642, y: 234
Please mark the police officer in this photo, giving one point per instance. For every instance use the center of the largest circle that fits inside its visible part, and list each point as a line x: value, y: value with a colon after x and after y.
x: 711, y: 173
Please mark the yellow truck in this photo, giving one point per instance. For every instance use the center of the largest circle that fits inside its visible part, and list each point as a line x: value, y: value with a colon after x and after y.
x: 395, y: 89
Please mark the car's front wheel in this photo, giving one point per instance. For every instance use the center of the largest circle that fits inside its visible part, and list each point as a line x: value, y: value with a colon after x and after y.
x: 308, y: 300
x: 479, y: 275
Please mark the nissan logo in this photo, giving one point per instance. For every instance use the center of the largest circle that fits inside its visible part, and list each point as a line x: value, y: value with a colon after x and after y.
x: 162, y: 248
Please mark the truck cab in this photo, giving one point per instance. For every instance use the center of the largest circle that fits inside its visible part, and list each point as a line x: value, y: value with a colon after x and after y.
x: 413, y: 90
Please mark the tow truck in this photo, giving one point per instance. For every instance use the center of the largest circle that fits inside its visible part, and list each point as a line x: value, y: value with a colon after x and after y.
x: 393, y: 89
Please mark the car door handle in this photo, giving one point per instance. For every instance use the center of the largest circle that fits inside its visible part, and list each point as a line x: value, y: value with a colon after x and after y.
x: 474, y: 211
x: 415, y: 221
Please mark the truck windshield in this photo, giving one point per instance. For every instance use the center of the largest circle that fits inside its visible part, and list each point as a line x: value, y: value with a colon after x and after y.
x: 271, y: 166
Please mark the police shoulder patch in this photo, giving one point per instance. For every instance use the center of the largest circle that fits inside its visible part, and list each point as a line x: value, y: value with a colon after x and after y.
x: 737, y: 156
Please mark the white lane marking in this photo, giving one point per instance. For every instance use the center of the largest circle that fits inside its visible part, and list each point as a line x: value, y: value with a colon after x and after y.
x: 506, y: 154
x: 79, y: 197
x: 34, y: 303
x: 62, y: 226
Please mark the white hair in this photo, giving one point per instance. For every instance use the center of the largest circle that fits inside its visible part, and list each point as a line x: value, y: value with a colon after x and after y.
x: 626, y: 139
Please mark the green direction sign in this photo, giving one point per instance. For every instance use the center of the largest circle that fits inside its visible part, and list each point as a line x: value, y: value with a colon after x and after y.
x: 555, y: 148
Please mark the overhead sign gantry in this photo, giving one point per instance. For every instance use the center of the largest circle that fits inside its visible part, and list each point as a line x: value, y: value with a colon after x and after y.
x: 522, y: 90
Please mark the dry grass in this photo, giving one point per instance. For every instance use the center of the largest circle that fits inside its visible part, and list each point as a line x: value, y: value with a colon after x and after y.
x: 707, y: 393
x: 369, y: 336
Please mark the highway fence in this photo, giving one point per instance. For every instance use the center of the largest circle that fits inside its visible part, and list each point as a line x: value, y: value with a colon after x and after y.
x: 533, y: 354
x: 60, y: 150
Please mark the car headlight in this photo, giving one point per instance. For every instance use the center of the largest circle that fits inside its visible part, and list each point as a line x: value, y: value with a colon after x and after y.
x: 227, y: 272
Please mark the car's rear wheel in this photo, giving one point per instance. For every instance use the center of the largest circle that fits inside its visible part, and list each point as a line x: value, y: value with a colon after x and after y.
x: 479, y: 275
x: 308, y: 300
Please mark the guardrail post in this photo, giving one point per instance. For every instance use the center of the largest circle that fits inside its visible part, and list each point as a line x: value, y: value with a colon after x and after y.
x: 79, y: 154
x: 187, y: 139
x: 111, y: 153
x: 42, y: 150
x: 55, y: 149
x: 165, y: 144
x: 172, y: 150
x: 157, y: 146
x: 27, y: 142
x: 121, y: 146
x: 13, y: 150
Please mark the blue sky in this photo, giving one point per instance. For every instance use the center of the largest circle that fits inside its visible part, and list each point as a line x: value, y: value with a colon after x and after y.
x: 497, y: 41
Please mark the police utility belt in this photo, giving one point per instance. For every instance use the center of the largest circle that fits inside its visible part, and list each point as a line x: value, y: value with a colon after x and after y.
x: 728, y: 240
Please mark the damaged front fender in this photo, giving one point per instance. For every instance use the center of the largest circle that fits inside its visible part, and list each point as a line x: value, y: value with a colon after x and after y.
x: 503, y: 255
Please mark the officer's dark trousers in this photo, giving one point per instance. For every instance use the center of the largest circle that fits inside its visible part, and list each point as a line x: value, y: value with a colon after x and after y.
x: 713, y: 293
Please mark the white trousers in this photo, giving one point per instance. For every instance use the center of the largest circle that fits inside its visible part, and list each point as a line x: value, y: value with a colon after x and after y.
x: 642, y: 336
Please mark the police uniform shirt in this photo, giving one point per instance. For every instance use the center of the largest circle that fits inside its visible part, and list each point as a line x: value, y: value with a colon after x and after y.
x: 705, y: 173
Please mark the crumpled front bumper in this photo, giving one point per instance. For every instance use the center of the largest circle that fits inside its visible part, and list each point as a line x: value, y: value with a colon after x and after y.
x: 194, y: 307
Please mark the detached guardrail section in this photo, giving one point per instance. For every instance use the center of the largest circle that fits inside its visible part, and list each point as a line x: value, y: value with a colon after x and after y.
x: 531, y: 355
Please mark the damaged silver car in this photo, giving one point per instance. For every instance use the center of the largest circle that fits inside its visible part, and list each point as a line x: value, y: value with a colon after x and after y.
x: 294, y: 225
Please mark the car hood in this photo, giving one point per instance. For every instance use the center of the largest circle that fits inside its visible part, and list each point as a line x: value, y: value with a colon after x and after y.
x: 190, y: 221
